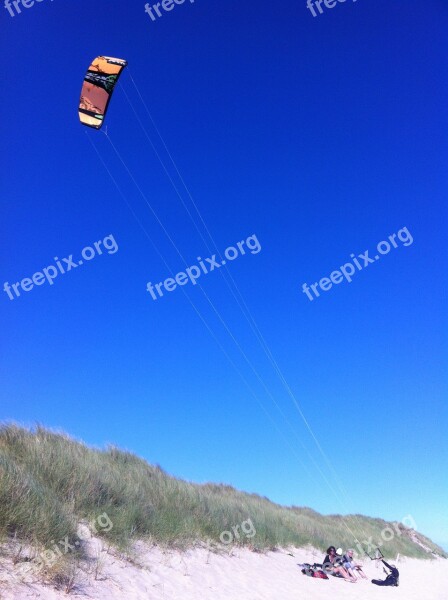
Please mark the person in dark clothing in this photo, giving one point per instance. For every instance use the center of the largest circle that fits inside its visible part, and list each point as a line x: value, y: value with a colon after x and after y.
x: 391, y: 579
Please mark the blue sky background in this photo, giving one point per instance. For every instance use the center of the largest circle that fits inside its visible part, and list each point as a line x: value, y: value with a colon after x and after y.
x: 321, y: 136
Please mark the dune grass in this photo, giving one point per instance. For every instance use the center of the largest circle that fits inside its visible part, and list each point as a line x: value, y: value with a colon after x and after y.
x: 50, y: 482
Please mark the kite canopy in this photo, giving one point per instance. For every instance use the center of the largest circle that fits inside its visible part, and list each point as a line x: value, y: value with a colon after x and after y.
x: 97, y: 89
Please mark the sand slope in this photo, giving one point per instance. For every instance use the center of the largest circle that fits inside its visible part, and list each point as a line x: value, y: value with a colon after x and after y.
x: 234, y: 574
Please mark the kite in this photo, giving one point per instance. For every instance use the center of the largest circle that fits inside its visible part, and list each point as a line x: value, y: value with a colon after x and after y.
x: 96, y: 92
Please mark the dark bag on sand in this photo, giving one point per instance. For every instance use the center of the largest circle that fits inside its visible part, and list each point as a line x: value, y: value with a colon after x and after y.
x: 312, y: 571
x: 320, y: 574
x: 307, y: 570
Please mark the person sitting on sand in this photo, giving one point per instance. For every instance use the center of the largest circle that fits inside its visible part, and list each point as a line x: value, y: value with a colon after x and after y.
x: 331, y: 566
x: 350, y: 566
x: 391, y: 579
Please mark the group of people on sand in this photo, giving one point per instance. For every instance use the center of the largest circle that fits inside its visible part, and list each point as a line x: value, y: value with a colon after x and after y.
x: 343, y: 565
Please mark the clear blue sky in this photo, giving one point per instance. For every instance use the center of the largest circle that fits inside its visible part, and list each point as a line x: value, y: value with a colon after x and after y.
x: 321, y: 136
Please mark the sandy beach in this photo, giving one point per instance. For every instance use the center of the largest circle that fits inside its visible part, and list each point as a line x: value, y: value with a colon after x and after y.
x: 232, y: 574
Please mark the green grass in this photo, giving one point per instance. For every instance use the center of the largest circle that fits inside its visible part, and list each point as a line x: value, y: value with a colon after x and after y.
x: 49, y: 482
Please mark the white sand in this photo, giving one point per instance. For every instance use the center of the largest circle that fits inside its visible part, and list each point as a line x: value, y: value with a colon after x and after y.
x: 233, y: 575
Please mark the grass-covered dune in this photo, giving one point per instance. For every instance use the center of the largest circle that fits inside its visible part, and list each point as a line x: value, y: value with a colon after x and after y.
x: 50, y: 482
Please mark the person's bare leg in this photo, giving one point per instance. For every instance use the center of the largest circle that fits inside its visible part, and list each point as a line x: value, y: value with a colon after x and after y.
x: 344, y: 574
x: 361, y: 572
x: 350, y: 574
